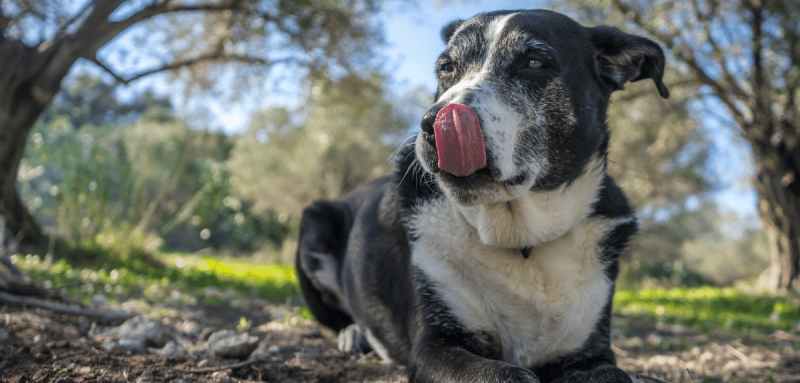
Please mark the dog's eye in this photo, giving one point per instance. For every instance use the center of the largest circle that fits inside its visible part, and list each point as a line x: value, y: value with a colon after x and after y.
x: 533, y: 64
x: 446, y: 68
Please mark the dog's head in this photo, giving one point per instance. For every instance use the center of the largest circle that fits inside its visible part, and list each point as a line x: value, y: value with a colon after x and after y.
x: 530, y: 89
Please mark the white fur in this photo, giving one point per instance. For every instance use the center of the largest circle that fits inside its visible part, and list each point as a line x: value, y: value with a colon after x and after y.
x: 494, y: 30
x: 379, y: 348
x: 539, y: 308
x: 536, y: 218
x: 325, y: 277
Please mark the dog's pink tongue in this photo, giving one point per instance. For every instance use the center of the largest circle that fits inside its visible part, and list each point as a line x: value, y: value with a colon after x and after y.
x: 459, y: 141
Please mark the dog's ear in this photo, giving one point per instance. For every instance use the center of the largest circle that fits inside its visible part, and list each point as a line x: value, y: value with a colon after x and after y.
x: 450, y: 29
x: 621, y: 57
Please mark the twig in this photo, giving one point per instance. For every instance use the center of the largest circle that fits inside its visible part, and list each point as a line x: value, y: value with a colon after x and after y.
x: 746, y: 359
x: 690, y: 375
x: 619, y: 351
x: 234, y: 366
x: 64, y: 309
x: 653, y: 378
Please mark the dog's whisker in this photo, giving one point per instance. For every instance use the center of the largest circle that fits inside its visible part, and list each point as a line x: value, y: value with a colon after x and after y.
x: 402, y: 146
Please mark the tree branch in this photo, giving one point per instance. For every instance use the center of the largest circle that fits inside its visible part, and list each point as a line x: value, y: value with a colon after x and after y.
x: 759, y: 77
x: 214, y: 55
x: 718, y: 54
x: 687, y: 57
x: 790, y: 106
x: 4, y: 23
x: 149, y: 12
x: 62, y: 30
x: 108, y: 70
x: 116, y: 315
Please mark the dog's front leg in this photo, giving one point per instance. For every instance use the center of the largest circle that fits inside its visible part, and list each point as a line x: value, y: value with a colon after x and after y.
x: 600, y: 374
x: 437, y: 361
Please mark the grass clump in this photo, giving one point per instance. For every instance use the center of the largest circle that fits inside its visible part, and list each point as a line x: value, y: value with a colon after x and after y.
x: 156, y: 277
x: 707, y: 307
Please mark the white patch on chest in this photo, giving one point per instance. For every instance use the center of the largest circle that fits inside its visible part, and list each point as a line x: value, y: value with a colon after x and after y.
x: 537, y: 218
x: 539, y: 308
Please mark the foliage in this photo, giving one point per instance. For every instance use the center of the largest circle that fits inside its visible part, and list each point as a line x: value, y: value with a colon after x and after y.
x: 656, y: 153
x: 40, y: 41
x: 343, y: 136
x: 91, y: 101
x: 705, y: 308
x: 694, y: 247
x: 155, y: 175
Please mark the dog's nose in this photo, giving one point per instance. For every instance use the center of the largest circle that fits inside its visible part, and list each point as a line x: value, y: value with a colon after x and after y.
x: 427, y: 125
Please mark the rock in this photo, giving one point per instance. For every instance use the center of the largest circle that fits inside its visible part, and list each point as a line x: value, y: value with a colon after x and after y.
x: 172, y: 349
x: 205, y: 334
x: 150, y: 331
x: 64, y: 366
x: 98, y: 300
x: 654, y: 339
x: 79, y: 344
x: 138, y: 333
x: 230, y: 344
x: 40, y: 351
x: 265, y: 351
x: 201, y: 351
x: 222, y: 376
x: 58, y: 344
x: 191, y: 328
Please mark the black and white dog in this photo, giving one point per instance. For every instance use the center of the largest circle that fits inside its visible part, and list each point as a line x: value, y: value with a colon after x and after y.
x: 491, y: 255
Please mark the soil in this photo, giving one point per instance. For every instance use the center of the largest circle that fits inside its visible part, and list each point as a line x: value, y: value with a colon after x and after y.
x: 37, y: 346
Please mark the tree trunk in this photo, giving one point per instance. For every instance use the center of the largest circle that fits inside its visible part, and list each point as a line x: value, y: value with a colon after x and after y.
x: 778, y: 188
x: 28, y: 85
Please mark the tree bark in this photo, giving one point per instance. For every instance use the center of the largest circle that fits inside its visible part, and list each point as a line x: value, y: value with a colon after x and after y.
x: 778, y: 188
x: 21, y: 104
x: 30, y: 79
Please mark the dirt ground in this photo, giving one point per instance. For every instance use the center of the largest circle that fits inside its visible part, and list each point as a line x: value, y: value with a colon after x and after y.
x: 36, y: 346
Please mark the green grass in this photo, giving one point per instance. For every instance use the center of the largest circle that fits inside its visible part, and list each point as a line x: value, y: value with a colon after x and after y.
x: 175, y: 278
x: 121, y: 274
x: 706, y: 308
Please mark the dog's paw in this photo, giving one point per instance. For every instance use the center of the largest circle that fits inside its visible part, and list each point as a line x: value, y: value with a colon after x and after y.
x: 351, y: 340
x: 517, y: 375
x: 609, y: 374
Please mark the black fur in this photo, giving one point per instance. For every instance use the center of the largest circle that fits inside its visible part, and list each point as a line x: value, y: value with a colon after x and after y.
x: 559, y: 108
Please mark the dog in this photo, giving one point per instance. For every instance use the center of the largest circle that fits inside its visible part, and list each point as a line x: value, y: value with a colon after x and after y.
x: 491, y: 254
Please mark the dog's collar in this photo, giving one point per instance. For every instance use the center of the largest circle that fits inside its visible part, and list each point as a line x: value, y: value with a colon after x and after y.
x: 526, y: 252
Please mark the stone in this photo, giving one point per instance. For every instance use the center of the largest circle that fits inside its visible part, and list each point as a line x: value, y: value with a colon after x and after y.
x: 205, y: 333
x: 264, y: 351
x: 191, y: 328
x: 172, y: 349
x: 230, y: 344
x: 138, y: 333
